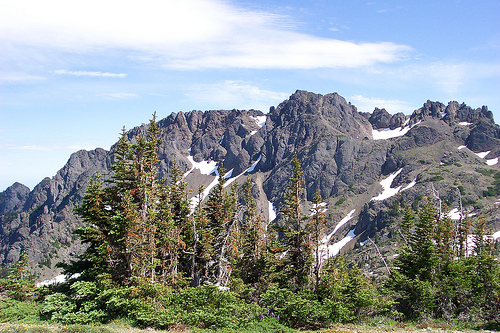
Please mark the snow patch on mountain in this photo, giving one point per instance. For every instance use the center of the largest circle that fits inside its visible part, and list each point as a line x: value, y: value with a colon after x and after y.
x: 334, y: 249
x: 387, y: 133
x: 250, y: 169
x: 387, y: 191
x: 483, y: 154
x: 342, y: 222
x: 260, y: 120
x: 493, y: 161
x: 325, y: 250
x: 205, y: 167
x: 413, y: 183
x: 272, y: 212
x: 454, y: 214
x: 58, y: 279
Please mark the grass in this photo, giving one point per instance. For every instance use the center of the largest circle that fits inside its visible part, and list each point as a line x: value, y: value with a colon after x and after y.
x: 376, y: 326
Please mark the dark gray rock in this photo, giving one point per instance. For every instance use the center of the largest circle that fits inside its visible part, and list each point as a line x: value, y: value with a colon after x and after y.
x: 13, y: 198
x: 484, y: 137
x: 380, y: 118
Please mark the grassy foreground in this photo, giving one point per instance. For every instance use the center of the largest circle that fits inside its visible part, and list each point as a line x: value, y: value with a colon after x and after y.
x: 121, y: 327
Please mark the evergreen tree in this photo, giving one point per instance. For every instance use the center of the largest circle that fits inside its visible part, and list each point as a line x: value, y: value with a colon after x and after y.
x: 463, y: 236
x: 431, y: 282
x: 486, y: 283
x: 21, y: 282
x: 298, y: 256
x: 407, y: 223
x: 198, y: 240
x: 102, y: 234
x: 220, y: 210
x: 253, y: 236
x: 174, y: 218
x: 124, y: 217
x: 414, y: 280
x: 316, y: 228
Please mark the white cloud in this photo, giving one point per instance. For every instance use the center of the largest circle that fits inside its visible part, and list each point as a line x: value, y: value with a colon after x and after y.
x: 449, y: 76
x: 87, y: 73
x: 188, y: 34
x: 119, y: 95
x: 48, y: 148
x: 15, y: 77
x: 368, y: 104
x: 235, y: 94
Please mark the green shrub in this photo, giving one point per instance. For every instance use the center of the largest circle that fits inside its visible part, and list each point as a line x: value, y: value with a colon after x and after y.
x: 58, y: 307
x: 340, y: 201
x: 13, y: 311
x: 436, y: 178
x: 209, y: 307
x: 295, y: 309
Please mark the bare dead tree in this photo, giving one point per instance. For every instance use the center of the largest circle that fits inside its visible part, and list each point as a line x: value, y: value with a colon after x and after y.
x: 381, y: 256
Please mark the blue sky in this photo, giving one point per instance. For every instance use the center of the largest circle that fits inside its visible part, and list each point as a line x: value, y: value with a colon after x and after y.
x: 73, y: 73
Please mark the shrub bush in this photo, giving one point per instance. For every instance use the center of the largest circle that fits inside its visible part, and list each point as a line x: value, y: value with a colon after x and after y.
x: 13, y: 311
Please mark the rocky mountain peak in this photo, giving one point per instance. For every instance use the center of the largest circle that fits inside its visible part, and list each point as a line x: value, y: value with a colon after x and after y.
x: 473, y: 128
x: 381, y: 119
x: 13, y: 198
x: 330, y: 111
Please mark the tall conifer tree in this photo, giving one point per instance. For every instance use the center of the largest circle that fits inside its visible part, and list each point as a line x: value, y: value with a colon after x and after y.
x: 298, y: 256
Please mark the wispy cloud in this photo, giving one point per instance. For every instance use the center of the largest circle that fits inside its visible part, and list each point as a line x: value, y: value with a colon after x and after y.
x: 336, y: 28
x: 449, y: 76
x: 16, y: 77
x: 47, y: 148
x: 235, y: 94
x: 368, y: 104
x: 188, y: 34
x: 119, y: 95
x: 87, y: 73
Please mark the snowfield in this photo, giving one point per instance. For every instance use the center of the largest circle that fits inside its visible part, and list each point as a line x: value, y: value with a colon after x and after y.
x: 58, y: 279
x: 327, y: 251
x: 387, y: 191
x: 342, y: 222
x: 454, y: 214
x: 205, y: 167
x: 272, y: 212
x: 493, y: 161
x: 413, y: 183
x: 387, y: 133
x: 260, y: 120
x: 334, y: 249
x: 483, y: 154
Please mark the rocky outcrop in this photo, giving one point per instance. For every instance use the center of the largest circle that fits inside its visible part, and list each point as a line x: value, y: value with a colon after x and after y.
x: 380, y: 119
x: 13, y: 198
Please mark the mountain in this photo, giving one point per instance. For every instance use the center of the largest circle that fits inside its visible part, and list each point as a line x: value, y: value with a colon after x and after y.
x: 366, y: 166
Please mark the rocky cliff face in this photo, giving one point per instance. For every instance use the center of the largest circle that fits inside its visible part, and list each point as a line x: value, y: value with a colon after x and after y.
x: 365, y: 166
